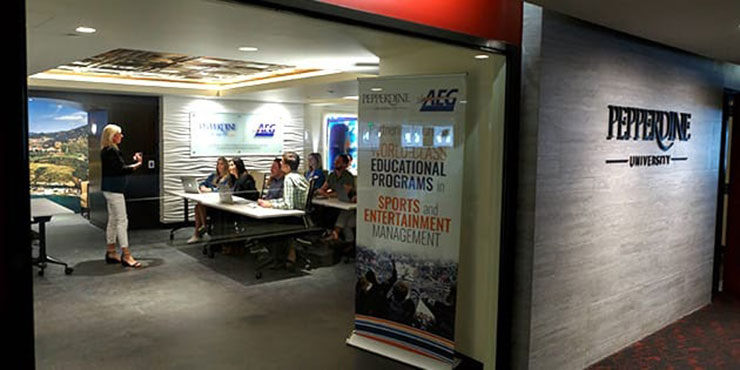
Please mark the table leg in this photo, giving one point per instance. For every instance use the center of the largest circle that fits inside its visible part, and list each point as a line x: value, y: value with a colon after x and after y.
x: 43, y: 258
x: 186, y: 220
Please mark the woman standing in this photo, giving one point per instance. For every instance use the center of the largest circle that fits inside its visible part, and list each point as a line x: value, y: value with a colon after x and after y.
x: 219, y: 178
x: 113, y: 185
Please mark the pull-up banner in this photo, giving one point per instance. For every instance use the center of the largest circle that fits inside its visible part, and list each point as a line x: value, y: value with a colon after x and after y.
x: 410, y: 166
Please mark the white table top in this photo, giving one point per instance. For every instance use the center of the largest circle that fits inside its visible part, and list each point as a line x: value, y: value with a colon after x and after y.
x: 334, y: 203
x: 249, y: 210
x: 42, y: 207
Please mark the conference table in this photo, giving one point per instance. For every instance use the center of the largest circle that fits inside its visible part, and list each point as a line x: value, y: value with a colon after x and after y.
x: 270, y: 227
x: 42, y: 210
x: 241, y: 207
x: 334, y: 203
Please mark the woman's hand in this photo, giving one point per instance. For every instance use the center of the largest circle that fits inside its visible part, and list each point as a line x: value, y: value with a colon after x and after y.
x: 138, y: 157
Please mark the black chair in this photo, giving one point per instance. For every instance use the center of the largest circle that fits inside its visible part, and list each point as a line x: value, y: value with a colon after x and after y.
x: 308, y: 228
x: 265, y: 180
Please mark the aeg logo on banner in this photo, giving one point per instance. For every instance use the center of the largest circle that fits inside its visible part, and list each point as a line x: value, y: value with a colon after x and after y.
x: 265, y: 130
x: 218, y: 129
x: 440, y: 100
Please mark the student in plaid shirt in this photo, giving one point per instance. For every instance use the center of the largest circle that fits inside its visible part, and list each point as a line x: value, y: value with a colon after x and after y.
x: 295, y: 186
x: 295, y: 191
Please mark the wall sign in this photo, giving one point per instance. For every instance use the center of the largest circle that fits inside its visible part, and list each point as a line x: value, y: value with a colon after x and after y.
x: 665, y: 128
x: 233, y: 134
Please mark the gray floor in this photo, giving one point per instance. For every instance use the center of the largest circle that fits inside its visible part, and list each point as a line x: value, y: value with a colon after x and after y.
x: 182, y: 313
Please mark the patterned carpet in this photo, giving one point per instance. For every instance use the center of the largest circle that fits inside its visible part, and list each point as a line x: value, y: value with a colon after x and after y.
x: 706, y: 339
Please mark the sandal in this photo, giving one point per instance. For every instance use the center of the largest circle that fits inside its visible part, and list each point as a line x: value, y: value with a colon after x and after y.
x: 135, y: 265
x: 111, y: 260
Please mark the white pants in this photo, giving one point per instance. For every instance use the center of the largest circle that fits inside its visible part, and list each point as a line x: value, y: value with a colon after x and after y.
x: 117, y: 219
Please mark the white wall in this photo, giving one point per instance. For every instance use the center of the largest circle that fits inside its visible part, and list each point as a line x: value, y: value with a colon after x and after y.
x: 176, y: 160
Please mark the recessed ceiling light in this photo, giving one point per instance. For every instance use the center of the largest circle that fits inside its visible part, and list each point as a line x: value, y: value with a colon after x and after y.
x: 351, y: 97
x: 83, y: 29
x: 376, y: 89
x: 481, y: 56
x: 248, y: 48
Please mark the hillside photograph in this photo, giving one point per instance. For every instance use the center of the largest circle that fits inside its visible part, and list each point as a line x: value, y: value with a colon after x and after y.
x: 57, y: 145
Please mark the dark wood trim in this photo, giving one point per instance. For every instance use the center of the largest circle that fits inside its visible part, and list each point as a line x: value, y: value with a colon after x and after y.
x: 510, y: 184
x: 16, y: 284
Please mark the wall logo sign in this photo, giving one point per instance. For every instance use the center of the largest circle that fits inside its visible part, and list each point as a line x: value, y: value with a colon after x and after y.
x: 265, y: 130
x: 440, y: 100
x: 665, y: 128
x: 218, y: 129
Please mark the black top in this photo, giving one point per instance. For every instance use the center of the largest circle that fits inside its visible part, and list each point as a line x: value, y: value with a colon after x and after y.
x: 114, y: 170
x: 245, y: 187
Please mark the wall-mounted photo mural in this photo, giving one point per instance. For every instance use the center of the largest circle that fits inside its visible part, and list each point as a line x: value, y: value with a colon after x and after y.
x: 341, y: 139
x: 57, y: 145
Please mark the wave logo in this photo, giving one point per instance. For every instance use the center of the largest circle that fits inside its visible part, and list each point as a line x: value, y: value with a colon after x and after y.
x: 219, y: 129
x: 265, y: 130
x: 440, y: 100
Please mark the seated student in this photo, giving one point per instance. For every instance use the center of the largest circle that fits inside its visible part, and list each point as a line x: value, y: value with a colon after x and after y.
x: 315, y: 170
x: 337, y: 178
x: 295, y: 192
x: 275, y: 183
x: 219, y: 178
x: 341, y: 182
x: 244, y: 185
x: 346, y: 220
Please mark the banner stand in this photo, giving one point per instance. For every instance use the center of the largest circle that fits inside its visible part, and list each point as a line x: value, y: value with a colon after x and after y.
x: 397, y: 354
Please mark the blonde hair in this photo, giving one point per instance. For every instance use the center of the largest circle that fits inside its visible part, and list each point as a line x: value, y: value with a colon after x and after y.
x: 106, y: 139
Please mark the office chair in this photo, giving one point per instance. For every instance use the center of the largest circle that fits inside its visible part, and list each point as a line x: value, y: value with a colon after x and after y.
x: 301, y: 249
x: 303, y: 244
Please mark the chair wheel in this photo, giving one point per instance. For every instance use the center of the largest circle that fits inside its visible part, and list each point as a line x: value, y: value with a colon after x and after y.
x: 258, y: 275
x: 41, y: 272
x: 68, y: 270
x: 205, y: 250
x: 210, y: 252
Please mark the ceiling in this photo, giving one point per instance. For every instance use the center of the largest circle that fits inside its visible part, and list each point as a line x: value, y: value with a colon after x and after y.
x: 215, y: 29
x: 710, y: 28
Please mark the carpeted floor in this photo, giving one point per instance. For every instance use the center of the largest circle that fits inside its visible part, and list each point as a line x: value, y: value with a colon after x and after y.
x: 707, y: 339
x: 185, y: 311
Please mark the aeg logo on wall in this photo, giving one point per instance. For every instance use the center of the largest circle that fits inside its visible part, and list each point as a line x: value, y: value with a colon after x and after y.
x: 440, y: 100
x: 663, y: 127
x: 265, y: 130
x: 218, y: 129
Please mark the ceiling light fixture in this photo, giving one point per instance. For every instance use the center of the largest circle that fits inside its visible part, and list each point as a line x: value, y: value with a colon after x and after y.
x: 481, y: 56
x: 351, y: 97
x: 83, y: 29
x: 248, y: 48
x: 376, y: 89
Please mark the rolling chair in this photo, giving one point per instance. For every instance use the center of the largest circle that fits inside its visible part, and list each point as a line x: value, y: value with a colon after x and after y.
x: 301, y: 249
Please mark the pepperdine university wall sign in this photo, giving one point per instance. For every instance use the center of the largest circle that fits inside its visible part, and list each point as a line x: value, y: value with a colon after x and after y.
x: 663, y: 127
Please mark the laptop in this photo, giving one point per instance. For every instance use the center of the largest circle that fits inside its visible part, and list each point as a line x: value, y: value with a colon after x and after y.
x: 190, y: 184
x: 225, y: 196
